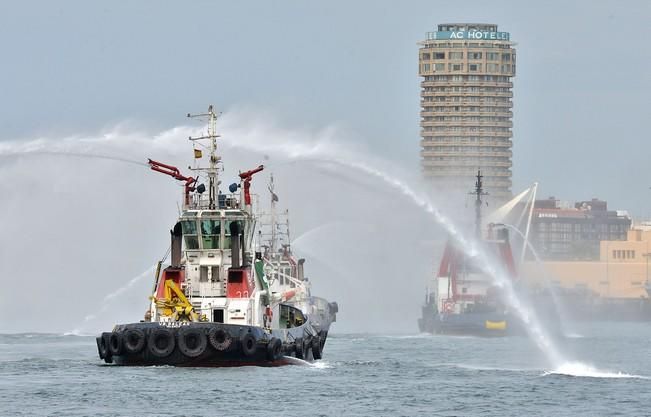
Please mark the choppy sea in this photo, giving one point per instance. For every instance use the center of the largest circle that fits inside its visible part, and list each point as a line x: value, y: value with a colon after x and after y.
x: 608, y: 372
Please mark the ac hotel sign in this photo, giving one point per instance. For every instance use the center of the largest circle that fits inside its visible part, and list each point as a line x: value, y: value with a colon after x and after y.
x: 472, y: 34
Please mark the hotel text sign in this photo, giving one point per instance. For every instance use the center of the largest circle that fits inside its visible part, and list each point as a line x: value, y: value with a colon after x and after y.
x: 473, y: 34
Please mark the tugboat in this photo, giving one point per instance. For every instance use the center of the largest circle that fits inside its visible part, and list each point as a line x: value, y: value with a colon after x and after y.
x: 214, y: 304
x: 287, y: 274
x: 461, y: 300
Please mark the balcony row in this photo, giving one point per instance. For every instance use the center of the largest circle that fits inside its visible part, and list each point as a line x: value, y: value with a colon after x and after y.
x: 447, y: 134
x: 465, y: 143
x: 478, y: 124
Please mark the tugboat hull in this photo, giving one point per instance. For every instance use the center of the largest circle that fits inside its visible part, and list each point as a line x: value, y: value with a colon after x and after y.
x: 207, y: 345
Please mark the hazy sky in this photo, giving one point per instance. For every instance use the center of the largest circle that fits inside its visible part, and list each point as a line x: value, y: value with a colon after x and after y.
x: 581, y: 102
x: 79, y: 229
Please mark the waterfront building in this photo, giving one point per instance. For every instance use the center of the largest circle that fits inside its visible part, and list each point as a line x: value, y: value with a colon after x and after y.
x: 560, y: 231
x: 466, y: 107
x: 621, y: 270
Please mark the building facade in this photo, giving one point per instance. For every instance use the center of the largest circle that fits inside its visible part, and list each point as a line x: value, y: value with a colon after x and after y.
x: 621, y: 269
x: 563, y: 232
x: 466, y: 107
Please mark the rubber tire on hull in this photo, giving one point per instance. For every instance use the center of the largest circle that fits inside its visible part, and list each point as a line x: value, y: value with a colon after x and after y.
x: 115, y: 343
x: 323, y: 336
x: 134, y: 340
x: 248, y: 344
x: 274, y: 349
x: 108, y: 358
x: 316, y: 348
x: 102, y: 347
x: 220, y: 339
x: 161, y: 342
x: 192, y: 341
x: 300, y: 349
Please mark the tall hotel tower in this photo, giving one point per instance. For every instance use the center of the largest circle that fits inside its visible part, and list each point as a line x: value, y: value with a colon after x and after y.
x: 466, y: 92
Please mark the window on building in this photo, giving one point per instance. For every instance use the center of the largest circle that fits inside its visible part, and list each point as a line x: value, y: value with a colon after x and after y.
x: 455, y: 55
x: 506, y: 57
x: 492, y: 56
x: 439, y: 67
x: 474, y: 67
x: 426, y: 57
x: 493, y: 67
x: 474, y: 55
x: 439, y: 55
x: 425, y: 67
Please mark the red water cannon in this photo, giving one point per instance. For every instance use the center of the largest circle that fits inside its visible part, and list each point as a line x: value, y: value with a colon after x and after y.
x: 246, y: 177
x: 176, y: 174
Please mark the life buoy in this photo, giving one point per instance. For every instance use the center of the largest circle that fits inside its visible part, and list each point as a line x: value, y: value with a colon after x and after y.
x: 134, y: 340
x: 316, y: 348
x: 274, y: 349
x: 161, y: 342
x: 192, y: 341
x: 299, y: 348
x: 448, y: 307
x: 115, y: 343
x: 248, y: 344
x: 220, y: 339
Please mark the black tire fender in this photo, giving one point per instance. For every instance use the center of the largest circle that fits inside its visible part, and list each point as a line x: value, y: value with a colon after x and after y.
x: 248, y: 344
x: 102, y: 346
x: 115, y: 344
x: 108, y: 358
x: 220, y: 339
x: 192, y: 341
x: 161, y: 342
x: 316, y: 348
x: 299, y: 348
x: 274, y: 349
x: 134, y: 340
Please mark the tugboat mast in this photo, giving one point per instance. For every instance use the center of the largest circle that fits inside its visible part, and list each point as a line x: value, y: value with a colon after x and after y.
x: 212, y: 170
x: 478, y: 193
x: 272, y: 244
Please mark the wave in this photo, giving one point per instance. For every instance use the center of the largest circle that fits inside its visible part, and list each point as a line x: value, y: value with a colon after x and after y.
x: 300, y: 362
x: 579, y: 369
x: 485, y: 368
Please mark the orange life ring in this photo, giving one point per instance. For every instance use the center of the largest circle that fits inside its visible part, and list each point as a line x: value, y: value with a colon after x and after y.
x: 448, y: 306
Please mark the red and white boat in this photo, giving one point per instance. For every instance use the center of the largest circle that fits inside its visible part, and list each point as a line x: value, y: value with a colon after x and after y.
x: 217, y: 303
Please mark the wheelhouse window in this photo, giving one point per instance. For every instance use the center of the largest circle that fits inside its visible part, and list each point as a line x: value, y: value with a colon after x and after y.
x: 189, y: 228
x: 210, y: 233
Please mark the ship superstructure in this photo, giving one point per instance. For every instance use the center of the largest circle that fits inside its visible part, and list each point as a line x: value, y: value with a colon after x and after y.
x: 213, y: 304
x: 286, y: 273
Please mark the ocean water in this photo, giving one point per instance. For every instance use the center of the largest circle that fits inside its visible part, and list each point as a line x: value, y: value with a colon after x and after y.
x: 608, y: 373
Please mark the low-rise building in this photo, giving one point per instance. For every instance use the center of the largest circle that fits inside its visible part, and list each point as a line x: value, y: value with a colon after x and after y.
x: 561, y: 231
x: 620, y: 272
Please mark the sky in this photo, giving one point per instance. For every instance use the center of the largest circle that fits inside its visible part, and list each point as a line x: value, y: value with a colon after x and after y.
x: 345, y: 70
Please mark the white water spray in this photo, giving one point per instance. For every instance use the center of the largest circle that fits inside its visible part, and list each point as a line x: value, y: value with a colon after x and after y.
x: 333, y: 154
x: 108, y: 299
x: 557, y: 303
x: 325, y: 151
